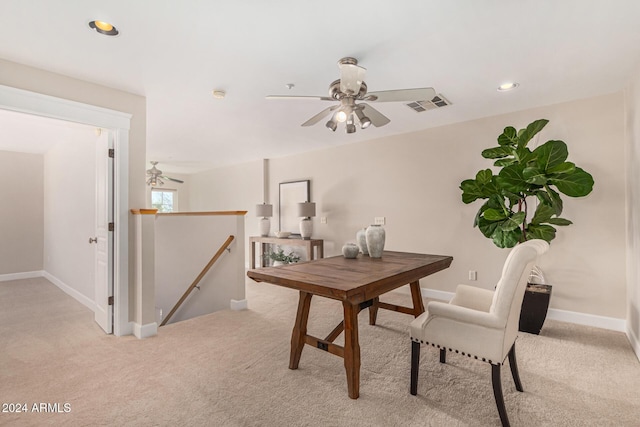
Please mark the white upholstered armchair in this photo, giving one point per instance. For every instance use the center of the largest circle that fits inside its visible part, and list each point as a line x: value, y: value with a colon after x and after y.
x: 480, y: 323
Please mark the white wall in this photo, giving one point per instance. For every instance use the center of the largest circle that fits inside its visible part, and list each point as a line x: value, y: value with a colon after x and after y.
x: 21, y: 212
x: 232, y: 188
x: 632, y: 126
x: 413, y: 181
x: 69, y: 200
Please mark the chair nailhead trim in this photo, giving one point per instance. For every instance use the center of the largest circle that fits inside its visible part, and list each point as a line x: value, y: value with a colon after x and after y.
x: 450, y: 349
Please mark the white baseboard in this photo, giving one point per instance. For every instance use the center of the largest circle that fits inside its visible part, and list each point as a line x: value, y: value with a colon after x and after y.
x: 18, y: 276
x: 634, y: 341
x: 70, y: 291
x: 127, y: 329
x: 603, y: 322
x: 239, y: 304
x: 439, y: 295
x: 145, y: 331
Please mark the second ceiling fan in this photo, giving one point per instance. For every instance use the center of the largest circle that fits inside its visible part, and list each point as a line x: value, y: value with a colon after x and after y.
x: 348, y: 89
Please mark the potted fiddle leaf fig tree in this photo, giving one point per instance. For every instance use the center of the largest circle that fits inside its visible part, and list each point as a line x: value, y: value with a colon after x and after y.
x: 524, y: 176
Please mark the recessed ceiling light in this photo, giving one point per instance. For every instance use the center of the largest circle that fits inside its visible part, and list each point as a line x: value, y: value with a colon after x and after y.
x: 219, y: 94
x: 104, y: 28
x: 508, y: 86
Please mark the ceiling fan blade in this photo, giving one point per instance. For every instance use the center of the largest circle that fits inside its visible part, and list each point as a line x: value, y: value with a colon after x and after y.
x: 351, y: 77
x: 289, y: 97
x: 402, y: 95
x: 377, y: 118
x: 172, y: 179
x: 322, y: 114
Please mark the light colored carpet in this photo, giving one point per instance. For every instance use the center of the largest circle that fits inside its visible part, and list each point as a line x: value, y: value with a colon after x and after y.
x: 230, y: 369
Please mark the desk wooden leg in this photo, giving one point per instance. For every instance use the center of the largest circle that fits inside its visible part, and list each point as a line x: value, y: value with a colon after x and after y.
x: 373, y: 311
x: 351, y: 349
x: 416, y: 296
x: 299, y: 329
x: 253, y: 255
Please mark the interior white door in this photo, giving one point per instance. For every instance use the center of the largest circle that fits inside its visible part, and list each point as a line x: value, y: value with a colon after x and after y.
x: 104, y: 244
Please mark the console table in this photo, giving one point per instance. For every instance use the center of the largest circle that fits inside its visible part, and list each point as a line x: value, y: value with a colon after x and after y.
x: 310, y: 245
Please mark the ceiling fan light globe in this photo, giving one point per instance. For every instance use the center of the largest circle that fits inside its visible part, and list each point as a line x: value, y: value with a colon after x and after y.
x: 332, y: 125
x: 351, y: 128
x: 341, y: 116
x: 365, y: 122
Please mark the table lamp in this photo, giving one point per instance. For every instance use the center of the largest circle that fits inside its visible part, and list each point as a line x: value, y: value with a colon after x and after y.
x: 265, y: 211
x: 306, y: 210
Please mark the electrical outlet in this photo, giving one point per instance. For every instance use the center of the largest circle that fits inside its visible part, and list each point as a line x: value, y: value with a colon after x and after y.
x: 473, y: 275
x: 323, y: 220
x: 379, y: 220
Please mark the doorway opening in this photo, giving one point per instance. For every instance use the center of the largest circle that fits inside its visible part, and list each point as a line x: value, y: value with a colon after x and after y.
x: 116, y: 124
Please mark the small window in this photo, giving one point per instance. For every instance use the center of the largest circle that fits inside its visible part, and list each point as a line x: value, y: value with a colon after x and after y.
x: 164, y: 200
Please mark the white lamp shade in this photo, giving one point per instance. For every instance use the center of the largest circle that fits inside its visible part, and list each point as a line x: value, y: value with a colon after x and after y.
x: 307, y: 209
x: 264, y: 210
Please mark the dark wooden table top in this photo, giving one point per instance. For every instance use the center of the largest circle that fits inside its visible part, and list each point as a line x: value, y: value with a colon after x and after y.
x: 355, y: 280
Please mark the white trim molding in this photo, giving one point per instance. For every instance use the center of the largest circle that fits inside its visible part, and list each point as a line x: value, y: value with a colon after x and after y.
x: 594, y: 320
x: 18, y: 276
x: 634, y: 341
x: 237, y: 305
x: 87, y: 302
x: 145, y: 331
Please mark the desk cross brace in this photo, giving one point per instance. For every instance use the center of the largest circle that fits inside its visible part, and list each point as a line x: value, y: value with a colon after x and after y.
x: 300, y: 337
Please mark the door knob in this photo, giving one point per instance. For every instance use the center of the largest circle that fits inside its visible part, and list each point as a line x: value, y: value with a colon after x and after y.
x: 93, y: 240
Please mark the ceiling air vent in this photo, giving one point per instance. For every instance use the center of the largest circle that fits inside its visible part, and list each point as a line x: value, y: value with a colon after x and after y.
x: 438, y: 101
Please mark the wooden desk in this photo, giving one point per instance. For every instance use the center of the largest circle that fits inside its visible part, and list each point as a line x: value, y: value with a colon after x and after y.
x: 358, y: 283
x: 309, y: 245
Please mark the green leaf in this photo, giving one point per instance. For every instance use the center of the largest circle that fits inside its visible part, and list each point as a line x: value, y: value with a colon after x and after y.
x: 544, y: 232
x: 484, y: 176
x: 551, y: 154
x: 511, y: 178
x: 566, y: 167
x: 471, y: 191
x: 494, y: 215
x: 543, y: 214
x: 532, y: 129
x: 487, y: 227
x: 556, y: 201
x: 575, y: 184
x: 508, y: 137
x: 504, y: 162
x: 513, y: 222
x: 497, y: 152
x: 534, y: 176
x: 505, y: 239
x: 559, y: 221
x: 524, y: 155
x: 482, y: 187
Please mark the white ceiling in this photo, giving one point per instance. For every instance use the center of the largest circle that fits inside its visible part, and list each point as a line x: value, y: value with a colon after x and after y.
x: 176, y: 52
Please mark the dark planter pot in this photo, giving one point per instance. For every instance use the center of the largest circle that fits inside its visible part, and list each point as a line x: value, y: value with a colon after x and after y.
x: 534, y: 308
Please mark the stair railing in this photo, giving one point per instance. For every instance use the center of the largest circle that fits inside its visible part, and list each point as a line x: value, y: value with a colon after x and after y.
x: 225, y: 246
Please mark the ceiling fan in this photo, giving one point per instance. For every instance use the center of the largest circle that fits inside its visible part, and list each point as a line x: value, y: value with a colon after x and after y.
x: 154, y: 174
x: 348, y: 89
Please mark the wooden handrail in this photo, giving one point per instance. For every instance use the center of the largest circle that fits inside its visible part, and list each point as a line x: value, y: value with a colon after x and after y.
x: 197, y: 280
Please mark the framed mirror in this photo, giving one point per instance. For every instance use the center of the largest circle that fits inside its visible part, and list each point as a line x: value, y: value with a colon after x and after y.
x: 292, y: 193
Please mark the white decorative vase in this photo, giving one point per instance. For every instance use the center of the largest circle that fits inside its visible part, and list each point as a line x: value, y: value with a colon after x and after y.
x: 361, y: 240
x: 277, y: 263
x: 375, y: 237
x: 350, y: 250
x: 265, y: 226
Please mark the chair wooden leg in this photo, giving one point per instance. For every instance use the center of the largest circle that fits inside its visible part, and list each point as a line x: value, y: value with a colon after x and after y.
x: 514, y: 368
x: 497, y: 392
x: 443, y: 355
x: 415, y: 363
